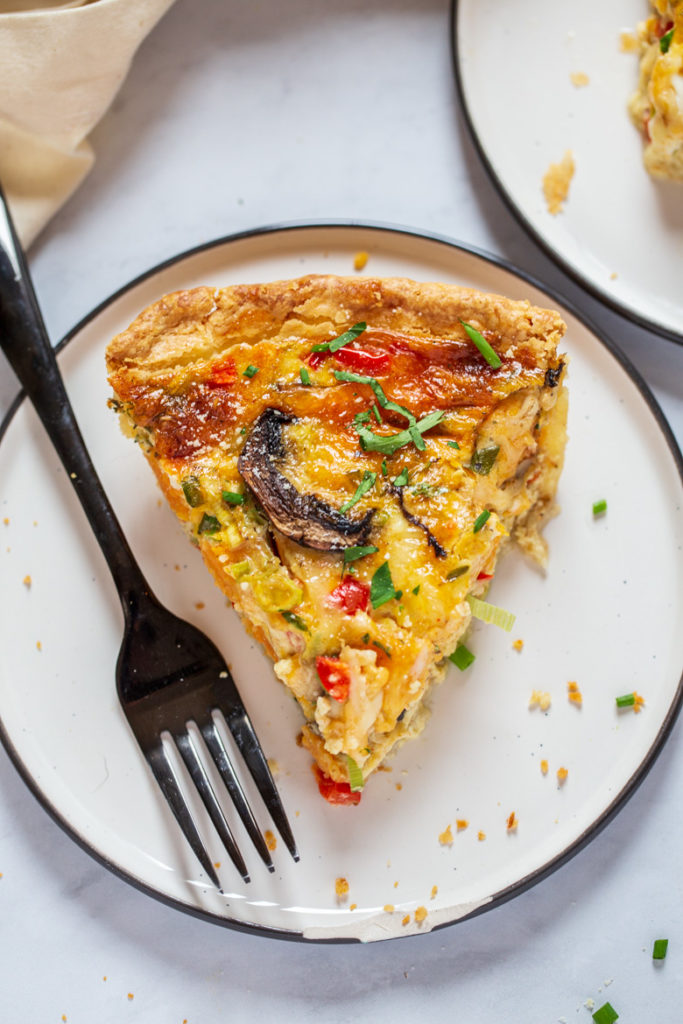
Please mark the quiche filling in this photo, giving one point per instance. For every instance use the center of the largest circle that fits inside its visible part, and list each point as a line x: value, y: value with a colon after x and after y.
x: 350, y: 456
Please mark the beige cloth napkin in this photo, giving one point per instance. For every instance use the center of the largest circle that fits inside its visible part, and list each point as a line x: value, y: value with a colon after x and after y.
x: 61, y: 64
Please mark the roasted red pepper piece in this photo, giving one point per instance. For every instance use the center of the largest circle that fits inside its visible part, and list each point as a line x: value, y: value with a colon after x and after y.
x: 223, y: 375
x: 335, y: 792
x: 364, y: 360
x: 350, y: 595
x: 335, y: 677
x: 485, y: 576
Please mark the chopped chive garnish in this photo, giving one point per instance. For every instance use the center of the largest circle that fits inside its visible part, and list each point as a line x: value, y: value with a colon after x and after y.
x: 365, y: 638
x: 606, y: 1014
x: 385, y: 471
x: 491, y: 613
x: 402, y: 478
x: 454, y: 574
x: 416, y: 590
x: 355, y: 775
x: 295, y: 620
x: 305, y: 375
x: 659, y: 949
x: 627, y: 701
x: 250, y: 371
x: 461, y: 657
x: 232, y: 497
x: 354, y: 553
x: 359, y: 418
x: 453, y: 444
x: 382, y: 586
x: 480, y: 520
x: 192, y: 491
x: 483, y: 459
x: 390, y: 443
x: 376, y: 643
x: 599, y: 507
x: 359, y: 378
x: 665, y: 41
x: 208, y: 524
x: 491, y: 357
x: 375, y: 413
x: 343, y: 339
x: 364, y: 486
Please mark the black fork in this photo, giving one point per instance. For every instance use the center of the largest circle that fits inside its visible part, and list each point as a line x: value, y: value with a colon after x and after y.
x: 168, y: 673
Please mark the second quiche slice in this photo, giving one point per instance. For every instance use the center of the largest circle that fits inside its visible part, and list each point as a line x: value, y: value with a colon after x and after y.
x: 350, y: 455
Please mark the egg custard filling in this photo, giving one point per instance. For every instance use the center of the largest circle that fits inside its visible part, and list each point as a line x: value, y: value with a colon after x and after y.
x: 350, y: 455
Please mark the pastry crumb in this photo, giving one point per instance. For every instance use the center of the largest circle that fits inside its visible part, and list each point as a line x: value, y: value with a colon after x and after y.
x: 512, y: 822
x: 434, y: 891
x: 544, y: 767
x: 274, y: 766
x: 6, y: 521
x: 341, y: 888
x: 628, y: 42
x: 446, y: 837
x: 131, y: 996
x: 556, y: 182
x: 420, y: 915
x: 613, y: 276
x: 216, y: 864
x: 579, y: 79
x: 406, y: 920
x: 562, y: 774
x: 461, y: 824
x: 399, y: 785
x: 574, y: 694
x: 199, y: 605
x: 27, y: 581
x: 271, y: 841
x: 517, y: 645
x: 360, y: 261
x: 353, y: 906
x: 481, y: 836
x: 388, y: 908
x: 540, y: 699
x: 39, y: 646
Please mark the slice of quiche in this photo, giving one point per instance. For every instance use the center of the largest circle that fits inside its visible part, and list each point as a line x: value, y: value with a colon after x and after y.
x: 656, y: 107
x: 350, y: 455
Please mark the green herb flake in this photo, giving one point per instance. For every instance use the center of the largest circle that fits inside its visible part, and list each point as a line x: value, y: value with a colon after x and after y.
x: 375, y: 413
x: 461, y: 657
x: 453, y: 444
x: 385, y: 471
x: 455, y: 574
x: 665, y: 41
x: 416, y: 590
x: 232, y: 498
x: 209, y: 524
x: 606, y: 1014
x: 626, y: 701
x: 491, y: 357
x: 250, y: 371
x: 365, y: 638
x: 305, y: 376
x: 364, y: 486
x: 402, y: 478
x: 387, y: 650
x: 480, y: 520
x: 192, y: 491
x: 343, y: 339
x: 483, y: 459
x: 360, y: 551
x: 659, y: 949
x: 599, y: 507
x: 356, y: 781
x: 360, y: 418
x: 382, y: 586
x: 387, y: 444
x: 295, y: 620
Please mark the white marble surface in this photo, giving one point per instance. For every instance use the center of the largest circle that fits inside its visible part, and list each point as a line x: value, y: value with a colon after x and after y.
x: 234, y: 116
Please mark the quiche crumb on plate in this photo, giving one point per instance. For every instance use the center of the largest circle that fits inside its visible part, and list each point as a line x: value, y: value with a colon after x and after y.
x: 350, y: 456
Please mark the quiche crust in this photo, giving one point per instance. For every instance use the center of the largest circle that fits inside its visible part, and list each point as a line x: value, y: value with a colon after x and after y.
x: 411, y: 456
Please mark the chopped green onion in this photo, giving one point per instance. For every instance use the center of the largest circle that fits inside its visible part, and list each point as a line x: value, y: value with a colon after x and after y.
x: 455, y: 573
x: 483, y: 459
x: 376, y: 643
x: 382, y: 586
x: 305, y: 375
x: 192, y: 491
x: 209, y: 524
x: 295, y: 620
x: 360, y: 417
x: 665, y: 41
x: 659, y: 949
x: 232, y: 498
x: 343, y: 339
x: 416, y: 590
x: 461, y: 657
x: 480, y: 520
x: 354, y: 553
x: 355, y: 775
x: 491, y: 357
x: 364, y: 486
x: 606, y: 1014
x: 375, y: 413
x: 453, y: 444
x: 359, y: 378
x: 390, y: 443
x: 491, y: 613
x: 627, y: 701
x: 250, y: 371
x: 402, y: 478
x: 385, y: 471
x: 599, y: 507
x: 365, y: 638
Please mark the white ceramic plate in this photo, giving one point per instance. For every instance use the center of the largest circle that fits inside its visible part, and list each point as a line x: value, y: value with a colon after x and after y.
x: 621, y: 232
x: 607, y: 615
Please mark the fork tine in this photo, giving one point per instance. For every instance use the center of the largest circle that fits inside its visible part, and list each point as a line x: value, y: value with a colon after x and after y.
x: 246, y: 739
x: 201, y: 780
x: 163, y: 773
x: 222, y: 761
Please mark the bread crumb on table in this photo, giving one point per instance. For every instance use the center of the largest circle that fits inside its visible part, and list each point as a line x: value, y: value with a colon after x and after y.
x: 481, y: 836
x: 628, y: 42
x: 446, y: 837
x: 341, y: 888
x: 512, y: 822
x: 540, y: 699
x: 544, y: 767
x: 406, y: 920
x: 27, y: 581
x: 388, y: 908
x: 556, y: 182
x: 271, y: 841
x: 579, y: 79
x: 461, y: 824
x: 420, y: 915
x: 562, y: 774
x: 574, y: 694
x: 517, y: 645
x: 360, y: 261
x: 434, y: 891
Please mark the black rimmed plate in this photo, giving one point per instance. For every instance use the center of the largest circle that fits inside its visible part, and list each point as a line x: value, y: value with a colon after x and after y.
x: 606, y: 615
x: 620, y: 233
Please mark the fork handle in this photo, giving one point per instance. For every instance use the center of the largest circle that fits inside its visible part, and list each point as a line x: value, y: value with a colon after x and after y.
x: 24, y: 340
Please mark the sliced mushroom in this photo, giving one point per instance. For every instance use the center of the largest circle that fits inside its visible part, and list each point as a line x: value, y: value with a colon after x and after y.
x: 439, y: 551
x: 304, y: 518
